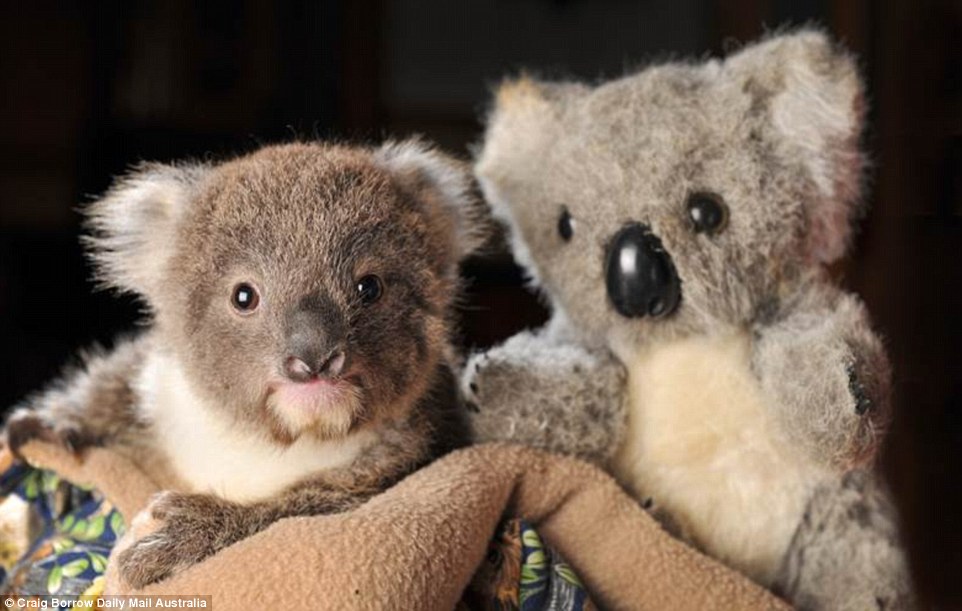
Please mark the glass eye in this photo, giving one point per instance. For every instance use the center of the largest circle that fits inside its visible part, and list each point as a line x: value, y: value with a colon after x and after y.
x: 708, y: 213
x: 566, y: 225
x: 245, y: 298
x: 369, y: 289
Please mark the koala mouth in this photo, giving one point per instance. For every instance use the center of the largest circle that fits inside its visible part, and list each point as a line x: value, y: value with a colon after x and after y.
x: 328, y: 408
x: 639, y: 274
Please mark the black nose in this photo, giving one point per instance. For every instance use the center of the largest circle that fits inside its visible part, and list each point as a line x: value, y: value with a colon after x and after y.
x: 640, y: 275
x: 306, y: 367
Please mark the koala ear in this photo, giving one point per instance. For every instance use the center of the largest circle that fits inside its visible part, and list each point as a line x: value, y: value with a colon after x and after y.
x: 131, y: 229
x: 445, y: 186
x: 816, y: 104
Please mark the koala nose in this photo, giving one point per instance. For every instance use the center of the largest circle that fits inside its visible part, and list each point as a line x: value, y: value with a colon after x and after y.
x: 306, y: 367
x: 640, y: 275
x: 316, y: 343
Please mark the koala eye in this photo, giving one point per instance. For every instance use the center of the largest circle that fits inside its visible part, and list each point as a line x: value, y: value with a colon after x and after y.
x: 245, y: 298
x: 566, y: 225
x: 369, y: 289
x: 708, y: 213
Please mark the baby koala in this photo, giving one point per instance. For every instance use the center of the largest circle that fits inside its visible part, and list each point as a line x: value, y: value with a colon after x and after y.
x: 298, y: 357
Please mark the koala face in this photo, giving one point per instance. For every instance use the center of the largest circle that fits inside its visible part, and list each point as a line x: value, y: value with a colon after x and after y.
x: 682, y: 198
x: 303, y: 288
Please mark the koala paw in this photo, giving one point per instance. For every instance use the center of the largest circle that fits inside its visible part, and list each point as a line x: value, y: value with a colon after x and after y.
x: 27, y: 425
x: 187, y: 529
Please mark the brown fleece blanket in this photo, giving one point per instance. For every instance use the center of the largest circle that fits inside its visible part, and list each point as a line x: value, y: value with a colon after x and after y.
x: 417, y: 545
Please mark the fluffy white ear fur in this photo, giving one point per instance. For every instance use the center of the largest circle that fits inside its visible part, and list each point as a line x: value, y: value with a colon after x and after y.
x: 817, y: 105
x: 131, y: 229
x: 453, y: 199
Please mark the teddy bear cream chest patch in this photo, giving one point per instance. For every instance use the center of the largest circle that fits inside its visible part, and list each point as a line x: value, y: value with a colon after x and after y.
x: 702, y: 444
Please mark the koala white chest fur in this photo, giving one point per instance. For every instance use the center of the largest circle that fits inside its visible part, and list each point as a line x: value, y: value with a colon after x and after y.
x: 213, y: 455
x: 701, y: 443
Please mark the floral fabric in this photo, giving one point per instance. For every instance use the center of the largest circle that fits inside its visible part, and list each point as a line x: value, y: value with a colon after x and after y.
x: 71, y: 532
x: 521, y: 573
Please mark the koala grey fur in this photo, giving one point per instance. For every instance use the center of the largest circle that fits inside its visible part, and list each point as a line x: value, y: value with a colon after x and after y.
x: 747, y: 405
x: 314, y: 396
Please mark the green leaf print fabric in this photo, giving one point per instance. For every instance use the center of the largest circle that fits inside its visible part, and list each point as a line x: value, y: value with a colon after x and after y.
x: 77, y: 529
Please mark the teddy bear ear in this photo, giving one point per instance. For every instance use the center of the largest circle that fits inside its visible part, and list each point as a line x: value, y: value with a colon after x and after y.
x: 524, y: 117
x: 524, y: 120
x: 131, y: 230
x: 519, y: 93
x: 444, y: 185
x: 815, y: 101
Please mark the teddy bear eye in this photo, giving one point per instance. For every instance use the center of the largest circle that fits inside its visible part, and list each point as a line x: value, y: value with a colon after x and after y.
x: 566, y: 225
x: 708, y: 213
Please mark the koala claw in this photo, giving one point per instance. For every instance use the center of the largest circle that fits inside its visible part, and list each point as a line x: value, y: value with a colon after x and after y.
x: 186, y: 533
x: 27, y: 425
x: 149, y: 560
x: 469, y: 382
x: 862, y: 401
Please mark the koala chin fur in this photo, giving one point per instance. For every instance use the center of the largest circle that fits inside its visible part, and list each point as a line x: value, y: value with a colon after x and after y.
x: 206, y: 448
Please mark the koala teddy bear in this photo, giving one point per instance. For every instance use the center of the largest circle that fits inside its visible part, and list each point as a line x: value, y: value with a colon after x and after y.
x: 679, y: 222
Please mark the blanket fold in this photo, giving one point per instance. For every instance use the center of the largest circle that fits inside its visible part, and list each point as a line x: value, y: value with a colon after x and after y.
x: 417, y: 545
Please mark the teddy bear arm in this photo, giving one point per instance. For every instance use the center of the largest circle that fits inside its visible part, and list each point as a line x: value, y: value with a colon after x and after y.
x: 826, y: 375
x: 846, y: 552
x: 547, y: 394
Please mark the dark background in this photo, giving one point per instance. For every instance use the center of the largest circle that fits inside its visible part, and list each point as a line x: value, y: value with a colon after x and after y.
x: 91, y: 87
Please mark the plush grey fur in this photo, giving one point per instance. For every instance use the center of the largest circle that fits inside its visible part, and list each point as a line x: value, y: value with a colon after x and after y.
x: 825, y: 327
x: 848, y: 524
x: 772, y: 130
x: 553, y: 394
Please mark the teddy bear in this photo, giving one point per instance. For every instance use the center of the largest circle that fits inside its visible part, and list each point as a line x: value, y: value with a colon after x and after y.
x: 679, y: 222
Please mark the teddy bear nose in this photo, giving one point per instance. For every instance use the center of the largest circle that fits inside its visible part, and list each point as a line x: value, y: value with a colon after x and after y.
x: 640, y: 275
